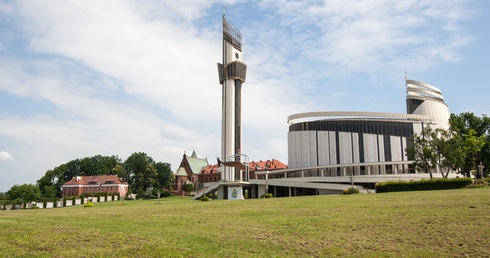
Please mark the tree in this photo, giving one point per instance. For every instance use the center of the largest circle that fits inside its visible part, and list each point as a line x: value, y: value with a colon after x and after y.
x: 474, y: 133
x: 165, y: 175
x: 138, y: 174
x: 472, y: 144
x: 449, y: 151
x: 188, y: 187
x: 25, y: 192
x: 423, y: 151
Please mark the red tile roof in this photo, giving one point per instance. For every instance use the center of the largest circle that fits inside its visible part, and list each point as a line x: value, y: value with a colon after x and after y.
x: 273, y: 164
x: 95, y: 180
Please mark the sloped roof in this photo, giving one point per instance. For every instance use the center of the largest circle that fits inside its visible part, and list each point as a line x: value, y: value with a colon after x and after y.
x: 181, y: 172
x: 273, y: 164
x: 196, y: 164
x: 209, y: 169
x: 95, y: 180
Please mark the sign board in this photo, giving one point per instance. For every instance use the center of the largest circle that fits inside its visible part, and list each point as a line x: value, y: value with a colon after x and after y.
x: 235, y: 193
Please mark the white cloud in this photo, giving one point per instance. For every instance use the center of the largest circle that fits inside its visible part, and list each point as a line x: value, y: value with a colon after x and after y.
x: 5, y: 156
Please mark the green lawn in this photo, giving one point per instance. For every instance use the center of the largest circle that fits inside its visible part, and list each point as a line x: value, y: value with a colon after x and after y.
x: 405, y: 224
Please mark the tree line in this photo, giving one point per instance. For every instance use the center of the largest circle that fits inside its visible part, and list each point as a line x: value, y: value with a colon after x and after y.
x: 461, y: 148
x: 139, y: 170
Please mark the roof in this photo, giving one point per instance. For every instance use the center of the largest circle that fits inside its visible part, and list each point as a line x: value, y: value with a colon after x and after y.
x: 95, y: 180
x: 273, y: 164
x: 269, y: 165
x: 196, y: 164
x: 209, y: 169
x: 181, y: 172
x: 323, y: 115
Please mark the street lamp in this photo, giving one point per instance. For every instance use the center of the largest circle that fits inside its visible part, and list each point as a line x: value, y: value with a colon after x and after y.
x: 266, y: 182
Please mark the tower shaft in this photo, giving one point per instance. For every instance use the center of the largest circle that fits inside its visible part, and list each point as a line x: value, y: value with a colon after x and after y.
x: 232, y: 73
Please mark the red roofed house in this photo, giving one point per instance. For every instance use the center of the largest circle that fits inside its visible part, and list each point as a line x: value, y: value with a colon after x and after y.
x: 94, y: 184
x: 210, y: 173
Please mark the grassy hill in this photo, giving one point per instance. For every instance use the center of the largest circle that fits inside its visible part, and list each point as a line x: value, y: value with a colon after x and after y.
x: 404, y: 224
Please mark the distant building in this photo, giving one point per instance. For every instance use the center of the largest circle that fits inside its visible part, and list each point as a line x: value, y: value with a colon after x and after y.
x: 211, y: 173
x: 188, y: 171
x: 94, y: 184
x: 330, y: 150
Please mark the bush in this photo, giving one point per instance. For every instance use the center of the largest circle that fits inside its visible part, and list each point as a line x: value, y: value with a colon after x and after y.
x: 73, y: 201
x: 481, y: 182
x: 89, y: 204
x: 414, y: 185
x: 205, y: 199
x: 98, y: 197
x: 64, y: 202
x: 351, y: 190
x: 268, y: 195
x: 34, y: 206
x: 45, y: 203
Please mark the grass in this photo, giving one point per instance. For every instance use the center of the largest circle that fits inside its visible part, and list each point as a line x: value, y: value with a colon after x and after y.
x: 405, y: 224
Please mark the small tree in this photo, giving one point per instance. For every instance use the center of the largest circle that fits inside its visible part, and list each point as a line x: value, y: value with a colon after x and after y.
x: 422, y: 150
x: 73, y: 202
x: 64, y: 201
x: 98, y: 197
x: 45, y: 203
x: 188, y: 187
x: 105, y: 196
x: 449, y: 151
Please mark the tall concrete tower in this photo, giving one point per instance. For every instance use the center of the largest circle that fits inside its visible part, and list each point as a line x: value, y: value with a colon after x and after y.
x: 232, y: 73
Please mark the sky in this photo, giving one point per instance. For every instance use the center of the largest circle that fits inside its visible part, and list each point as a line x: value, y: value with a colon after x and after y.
x: 114, y: 77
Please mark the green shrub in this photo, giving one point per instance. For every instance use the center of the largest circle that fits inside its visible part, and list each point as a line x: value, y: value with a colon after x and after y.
x: 481, y: 182
x: 351, y: 190
x: 205, y: 199
x: 89, y: 204
x: 73, y: 201
x: 98, y: 197
x: 34, y: 206
x: 64, y: 202
x: 45, y: 202
x: 418, y: 185
x: 268, y: 195
x: 105, y: 196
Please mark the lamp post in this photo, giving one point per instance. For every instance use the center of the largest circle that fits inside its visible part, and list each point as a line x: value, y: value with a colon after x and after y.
x: 266, y: 182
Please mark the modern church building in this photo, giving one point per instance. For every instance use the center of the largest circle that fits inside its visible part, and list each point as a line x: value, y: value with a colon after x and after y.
x: 362, y: 148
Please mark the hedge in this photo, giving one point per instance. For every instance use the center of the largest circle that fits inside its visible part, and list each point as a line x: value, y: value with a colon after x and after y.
x: 435, y: 184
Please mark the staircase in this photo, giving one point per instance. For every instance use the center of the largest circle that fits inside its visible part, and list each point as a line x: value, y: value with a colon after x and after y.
x: 207, y: 190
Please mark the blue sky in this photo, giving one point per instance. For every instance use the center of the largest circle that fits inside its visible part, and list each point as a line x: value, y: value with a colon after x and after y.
x: 82, y: 78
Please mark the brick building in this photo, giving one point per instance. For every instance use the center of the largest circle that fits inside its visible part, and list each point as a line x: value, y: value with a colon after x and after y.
x: 94, y: 184
x: 188, y: 171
